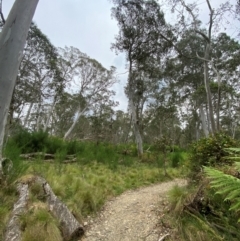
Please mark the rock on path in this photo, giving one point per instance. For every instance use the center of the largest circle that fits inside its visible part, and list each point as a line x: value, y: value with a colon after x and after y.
x: 132, y: 216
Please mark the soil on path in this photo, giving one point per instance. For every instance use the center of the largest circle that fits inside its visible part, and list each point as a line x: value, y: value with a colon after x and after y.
x: 133, y: 216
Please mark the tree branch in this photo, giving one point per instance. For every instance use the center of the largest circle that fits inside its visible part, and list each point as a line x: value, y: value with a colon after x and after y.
x: 1, y: 13
x: 211, y: 20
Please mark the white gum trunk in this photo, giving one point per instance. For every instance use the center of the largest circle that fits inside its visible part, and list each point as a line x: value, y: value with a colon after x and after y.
x: 12, y: 40
x: 204, y: 121
x: 79, y: 113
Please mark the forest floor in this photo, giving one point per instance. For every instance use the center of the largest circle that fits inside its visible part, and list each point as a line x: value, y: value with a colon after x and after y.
x: 133, y: 216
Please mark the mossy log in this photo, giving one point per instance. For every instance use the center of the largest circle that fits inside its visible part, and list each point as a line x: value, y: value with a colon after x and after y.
x: 13, y: 230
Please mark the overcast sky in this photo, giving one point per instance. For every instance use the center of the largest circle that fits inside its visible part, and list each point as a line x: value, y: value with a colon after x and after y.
x: 87, y: 25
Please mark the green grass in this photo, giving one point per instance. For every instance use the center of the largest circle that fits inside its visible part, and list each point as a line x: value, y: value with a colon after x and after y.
x: 101, y: 171
x: 84, y: 188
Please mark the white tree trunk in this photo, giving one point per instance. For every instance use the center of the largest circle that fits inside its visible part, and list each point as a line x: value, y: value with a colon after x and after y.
x: 136, y: 126
x: 204, y: 121
x: 208, y: 90
x: 27, y: 115
x: 12, y: 40
x: 79, y: 113
x: 49, y: 117
x: 38, y: 116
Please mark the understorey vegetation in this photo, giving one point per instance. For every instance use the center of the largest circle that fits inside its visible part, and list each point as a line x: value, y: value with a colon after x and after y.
x: 83, y: 175
x: 208, y: 209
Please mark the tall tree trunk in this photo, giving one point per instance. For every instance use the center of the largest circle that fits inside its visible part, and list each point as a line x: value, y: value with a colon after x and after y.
x: 197, y: 131
x: 27, y: 115
x: 207, y: 88
x: 219, y: 95
x: 79, y: 114
x: 204, y: 121
x: 12, y: 40
x: 49, y: 117
x: 135, y: 122
x: 38, y: 116
x: 137, y: 133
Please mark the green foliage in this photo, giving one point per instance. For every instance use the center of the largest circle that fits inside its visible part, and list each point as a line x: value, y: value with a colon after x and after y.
x: 176, y: 197
x: 39, y: 225
x: 176, y: 158
x: 163, y: 144
x: 211, y: 151
x: 14, y: 166
x: 102, y: 170
x: 30, y: 142
x: 225, y: 185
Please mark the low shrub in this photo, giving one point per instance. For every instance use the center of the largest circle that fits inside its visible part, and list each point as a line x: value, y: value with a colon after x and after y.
x: 211, y: 151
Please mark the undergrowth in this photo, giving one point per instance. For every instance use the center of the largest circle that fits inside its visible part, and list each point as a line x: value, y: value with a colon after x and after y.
x: 101, y: 171
x: 203, y: 210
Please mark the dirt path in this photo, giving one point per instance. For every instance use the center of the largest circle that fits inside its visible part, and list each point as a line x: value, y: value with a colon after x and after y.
x: 132, y: 216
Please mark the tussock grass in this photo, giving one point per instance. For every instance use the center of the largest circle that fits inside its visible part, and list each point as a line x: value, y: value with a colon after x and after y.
x: 85, y: 188
x: 101, y: 171
x: 38, y: 224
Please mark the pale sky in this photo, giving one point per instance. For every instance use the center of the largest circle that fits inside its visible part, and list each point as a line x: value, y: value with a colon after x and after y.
x: 87, y: 25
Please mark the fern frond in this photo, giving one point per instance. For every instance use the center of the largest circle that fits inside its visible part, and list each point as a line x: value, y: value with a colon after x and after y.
x: 232, y: 149
x: 237, y: 165
x: 235, y: 206
x: 235, y: 158
x: 226, y: 185
x: 232, y: 195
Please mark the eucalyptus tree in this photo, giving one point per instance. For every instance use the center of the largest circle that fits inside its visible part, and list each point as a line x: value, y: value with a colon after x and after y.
x: 184, y: 75
x: 140, y: 26
x: 87, y: 79
x: 188, y: 16
x: 39, y: 81
x: 226, y: 54
x: 12, y: 40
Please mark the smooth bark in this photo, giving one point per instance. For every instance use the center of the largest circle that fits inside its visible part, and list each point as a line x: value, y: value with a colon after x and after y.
x: 204, y: 121
x: 49, y: 117
x: 207, y: 87
x: 12, y: 40
x: 78, y: 115
x: 219, y: 95
x: 27, y: 115
x: 137, y: 133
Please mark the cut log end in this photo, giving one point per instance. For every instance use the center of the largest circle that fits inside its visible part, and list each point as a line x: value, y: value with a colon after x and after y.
x: 76, y: 234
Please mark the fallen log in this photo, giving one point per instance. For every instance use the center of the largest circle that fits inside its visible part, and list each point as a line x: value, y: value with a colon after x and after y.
x: 33, y: 155
x: 71, y: 229
x: 47, y: 157
x: 13, y: 229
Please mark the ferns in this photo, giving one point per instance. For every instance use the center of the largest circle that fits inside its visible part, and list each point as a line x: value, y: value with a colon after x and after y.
x: 225, y: 185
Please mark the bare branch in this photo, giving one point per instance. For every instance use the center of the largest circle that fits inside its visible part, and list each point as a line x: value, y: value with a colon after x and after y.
x: 211, y: 19
x: 1, y: 14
